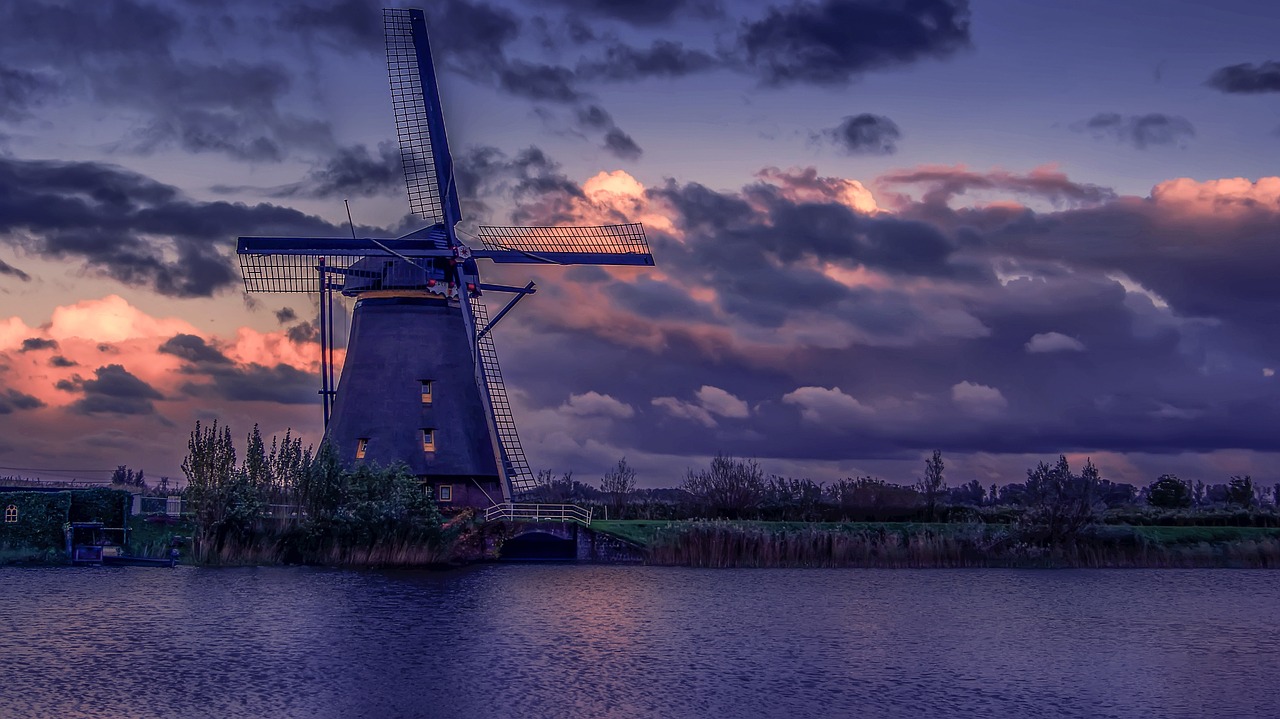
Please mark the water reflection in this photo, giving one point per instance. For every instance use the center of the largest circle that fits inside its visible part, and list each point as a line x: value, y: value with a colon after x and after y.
x: 571, y: 641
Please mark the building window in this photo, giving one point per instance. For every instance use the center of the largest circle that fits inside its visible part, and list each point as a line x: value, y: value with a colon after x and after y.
x: 445, y: 493
x: 428, y: 440
x: 426, y: 391
x: 11, y: 514
x: 362, y: 444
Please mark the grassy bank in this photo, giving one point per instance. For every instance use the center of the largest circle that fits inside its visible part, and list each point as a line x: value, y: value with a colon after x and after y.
x: 871, y: 544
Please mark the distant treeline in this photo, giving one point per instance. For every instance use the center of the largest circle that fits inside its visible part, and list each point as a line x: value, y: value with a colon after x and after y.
x: 1052, y: 494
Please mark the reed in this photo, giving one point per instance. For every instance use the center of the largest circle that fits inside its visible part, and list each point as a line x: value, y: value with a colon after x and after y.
x: 731, y: 544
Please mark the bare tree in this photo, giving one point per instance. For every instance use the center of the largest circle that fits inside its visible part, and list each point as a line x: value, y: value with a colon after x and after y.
x: 730, y: 488
x: 932, y: 485
x: 618, y: 484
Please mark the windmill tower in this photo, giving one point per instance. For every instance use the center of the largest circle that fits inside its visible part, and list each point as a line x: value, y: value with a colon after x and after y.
x: 421, y: 382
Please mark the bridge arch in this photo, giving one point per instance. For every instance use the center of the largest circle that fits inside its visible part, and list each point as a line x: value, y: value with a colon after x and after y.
x: 539, y: 544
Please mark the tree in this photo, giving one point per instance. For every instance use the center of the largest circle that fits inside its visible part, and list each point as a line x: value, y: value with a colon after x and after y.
x: 1169, y: 492
x: 618, y: 484
x: 932, y: 485
x: 730, y: 488
x: 1240, y: 490
x: 1060, y: 504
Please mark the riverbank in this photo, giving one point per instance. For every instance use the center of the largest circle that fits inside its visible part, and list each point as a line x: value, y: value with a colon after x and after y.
x: 922, y: 545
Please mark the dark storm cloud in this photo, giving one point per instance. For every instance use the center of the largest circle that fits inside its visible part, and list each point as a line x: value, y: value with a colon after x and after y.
x: 10, y: 270
x: 131, y: 55
x: 192, y: 349
x: 1140, y: 131
x: 864, y: 134
x: 131, y: 228
x: 12, y: 400
x: 351, y: 172
x: 21, y: 90
x: 1247, y: 78
x: 257, y: 383
x: 33, y: 344
x: 529, y: 177
x: 654, y: 12
x: 621, y: 145
x: 664, y: 58
x: 60, y: 361
x: 593, y: 118
x: 115, y: 390
x: 304, y: 333
x: 353, y: 26
x: 285, y: 315
x: 833, y: 41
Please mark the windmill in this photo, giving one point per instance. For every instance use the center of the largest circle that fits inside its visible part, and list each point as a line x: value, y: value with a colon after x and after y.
x: 421, y: 383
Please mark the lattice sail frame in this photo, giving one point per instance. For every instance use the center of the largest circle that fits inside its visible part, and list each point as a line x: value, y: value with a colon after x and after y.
x: 412, y: 126
x: 602, y: 239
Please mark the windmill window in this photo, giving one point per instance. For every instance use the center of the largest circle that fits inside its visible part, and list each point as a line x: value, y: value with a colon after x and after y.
x: 428, y: 440
x: 445, y: 493
x: 426, y: 391
x: 11, y: 514
x: 362, y: 445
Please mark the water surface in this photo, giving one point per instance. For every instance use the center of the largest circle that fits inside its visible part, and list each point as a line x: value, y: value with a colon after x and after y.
x: 570, y: 641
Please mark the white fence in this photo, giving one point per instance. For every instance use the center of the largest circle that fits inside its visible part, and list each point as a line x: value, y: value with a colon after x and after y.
x: 521, y: 512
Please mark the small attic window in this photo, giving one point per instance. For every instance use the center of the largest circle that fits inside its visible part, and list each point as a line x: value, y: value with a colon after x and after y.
x: 362, y: 445
x: 11, y: 514
x: 428, y: 440
x: 426, y: 391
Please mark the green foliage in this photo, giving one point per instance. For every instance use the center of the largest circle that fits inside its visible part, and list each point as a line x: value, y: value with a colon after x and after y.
x: 1169, y: 492
x: 41, y: 518
x: 329, y: 509
x: 1240, y: 491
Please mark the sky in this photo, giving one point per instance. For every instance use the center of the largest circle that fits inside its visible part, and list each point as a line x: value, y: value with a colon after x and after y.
x: 1001, y: 229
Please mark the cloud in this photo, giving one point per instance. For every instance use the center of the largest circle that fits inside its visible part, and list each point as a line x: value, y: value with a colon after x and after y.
x: 61, y: 362
x: 663, y: 58
x: 192, y: 348
x: 621, y: 145
x: 11, y: 400
x: 978, y: 398
x: 594, y: 404
x: 282, y: 384
x: 128, y: 227
x: 114, y: 390
x: 831, y: 42
x: 21, y: 90
x: 1053, y: 342
x: 32, y: 344
x: 351, y: 172
x: 655, y: 12
x: 1141, y: 131
x: 942, y: 184
x: 1247, y: 78
x: 10, y: 270
x: 132, y: 56
x: 830, y: 406
x: 617, y: 142
x: 864, y: 134
x: 711, y: 402
x: 285, y: 315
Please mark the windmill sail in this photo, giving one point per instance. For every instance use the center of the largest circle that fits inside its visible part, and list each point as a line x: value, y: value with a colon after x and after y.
x: 602, y: 245
x: 424, y: 151
x: 514, y: 463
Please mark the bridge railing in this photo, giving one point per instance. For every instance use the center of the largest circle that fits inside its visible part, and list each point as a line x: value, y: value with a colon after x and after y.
x: 527, y: 512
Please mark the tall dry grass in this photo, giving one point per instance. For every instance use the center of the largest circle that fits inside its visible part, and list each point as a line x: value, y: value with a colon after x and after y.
x: 728, y: 544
